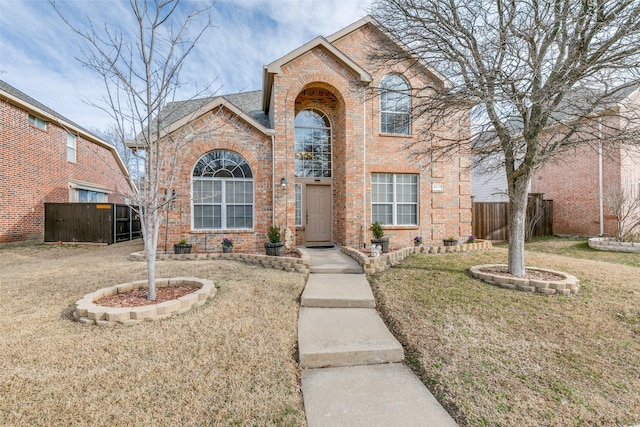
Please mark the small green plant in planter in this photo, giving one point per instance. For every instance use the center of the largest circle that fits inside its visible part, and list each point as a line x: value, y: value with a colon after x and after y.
x: 182, y: 247
x: 417, y: 241
x: 451, y: 240
x: 472, y: 239
x: 274, y: 247
x: 378, y: 232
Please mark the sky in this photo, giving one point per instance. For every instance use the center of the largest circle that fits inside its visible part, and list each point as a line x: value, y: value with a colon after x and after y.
x: 39, y: 53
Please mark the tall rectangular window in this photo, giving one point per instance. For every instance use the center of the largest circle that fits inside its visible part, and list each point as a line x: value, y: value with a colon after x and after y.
x: 71, y: 147
x: 394, y: 198
x: 298, y: 204
x: 37, y: 122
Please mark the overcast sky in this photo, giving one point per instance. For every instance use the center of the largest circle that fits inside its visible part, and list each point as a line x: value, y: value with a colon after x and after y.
x: 38, y: 51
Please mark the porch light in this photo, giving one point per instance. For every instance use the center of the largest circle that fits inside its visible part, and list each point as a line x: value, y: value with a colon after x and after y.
x: 283, y: 183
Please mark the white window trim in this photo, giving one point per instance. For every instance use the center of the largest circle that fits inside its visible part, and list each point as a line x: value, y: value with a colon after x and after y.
x: 395, y: 112
x: 394, y: 204
x: 37, y: 122
x: 73, y: 147
x: 223, y: 204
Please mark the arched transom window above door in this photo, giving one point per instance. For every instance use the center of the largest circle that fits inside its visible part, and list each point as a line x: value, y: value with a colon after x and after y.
x: 222, y: 186
x: 312, y: 144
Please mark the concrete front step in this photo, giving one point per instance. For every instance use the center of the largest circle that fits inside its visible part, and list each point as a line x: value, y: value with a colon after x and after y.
x: 374, y: 395
x: 337, y: 291
x: 331, y: 261
x: 344, y: 337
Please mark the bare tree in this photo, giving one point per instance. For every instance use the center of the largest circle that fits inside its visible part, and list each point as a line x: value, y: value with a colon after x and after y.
x: 625, y: 205
x: 140, y: 66
x: 542, y: 76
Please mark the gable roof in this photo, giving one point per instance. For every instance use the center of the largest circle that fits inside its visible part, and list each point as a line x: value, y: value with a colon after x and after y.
x: 27, y: 103
x: 276, y: 66
x: 372, y: 21
x: 245, y: 105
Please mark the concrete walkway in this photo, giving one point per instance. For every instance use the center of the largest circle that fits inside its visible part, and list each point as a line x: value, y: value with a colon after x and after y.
x: 353, y: 373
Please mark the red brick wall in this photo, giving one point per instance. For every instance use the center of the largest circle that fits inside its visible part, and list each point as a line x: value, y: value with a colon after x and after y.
x: 34, y: 170
x: 220, y: 129
x: 317, y: 80
x: 571, y: 181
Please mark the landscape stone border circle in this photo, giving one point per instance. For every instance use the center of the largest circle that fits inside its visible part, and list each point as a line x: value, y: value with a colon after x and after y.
x: 566, y: 286
x: 608, y: 244
x: 86, y: 311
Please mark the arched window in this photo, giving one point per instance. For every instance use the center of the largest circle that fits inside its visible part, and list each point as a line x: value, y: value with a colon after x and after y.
x: 395, y: 105
x: 313, y: 144
x: 222, y: 190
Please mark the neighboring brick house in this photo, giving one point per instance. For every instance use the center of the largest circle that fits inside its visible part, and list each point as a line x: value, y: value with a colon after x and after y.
x: 45, y: 157
x: 320, y: 151
x: 573, y: 179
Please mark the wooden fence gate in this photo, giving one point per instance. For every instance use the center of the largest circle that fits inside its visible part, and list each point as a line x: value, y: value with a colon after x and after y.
x: 490, y: 220
x: 90, y: 223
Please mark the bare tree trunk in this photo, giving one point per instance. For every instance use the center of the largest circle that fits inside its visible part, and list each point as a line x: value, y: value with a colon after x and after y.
x: 518, y: 196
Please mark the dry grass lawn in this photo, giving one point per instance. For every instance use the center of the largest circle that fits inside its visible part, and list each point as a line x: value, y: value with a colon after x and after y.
x: 497, y: 357
x: 229, y: 362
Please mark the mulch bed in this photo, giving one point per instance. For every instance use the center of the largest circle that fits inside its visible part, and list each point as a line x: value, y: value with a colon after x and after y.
x: 138, y: 297
x: 529, y: 274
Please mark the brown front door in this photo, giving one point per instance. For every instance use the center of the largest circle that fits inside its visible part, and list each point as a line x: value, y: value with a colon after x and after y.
x: 318, y: 214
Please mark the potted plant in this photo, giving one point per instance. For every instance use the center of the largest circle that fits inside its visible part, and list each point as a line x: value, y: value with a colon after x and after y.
x: 227, y: 244
x: 182, y: 247
x: 472, y: 239
x: 417, y: 241
x: 378, y: 232
x: 451, y: 240
x: 274, y: 247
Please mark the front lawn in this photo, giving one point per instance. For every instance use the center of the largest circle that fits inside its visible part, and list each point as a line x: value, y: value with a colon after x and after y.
x: 497, y: 357
x: 229, y: 362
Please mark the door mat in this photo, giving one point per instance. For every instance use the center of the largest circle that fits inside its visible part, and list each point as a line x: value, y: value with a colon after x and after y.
x: 320, y: 247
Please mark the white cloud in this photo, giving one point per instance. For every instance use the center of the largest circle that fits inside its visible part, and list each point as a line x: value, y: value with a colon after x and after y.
x: 38, y: 51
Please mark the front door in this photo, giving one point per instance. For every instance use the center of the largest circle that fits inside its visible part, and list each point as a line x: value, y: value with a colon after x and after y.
x: 318, y: 214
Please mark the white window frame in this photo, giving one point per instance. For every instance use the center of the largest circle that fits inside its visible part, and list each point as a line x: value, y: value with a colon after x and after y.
x: 37, y: 122
x: 385, y: 111
x: 224, y: 181
x: 75, y: 189
x: 71, y: 147
x: 394, y: 203
x: 298, y: 202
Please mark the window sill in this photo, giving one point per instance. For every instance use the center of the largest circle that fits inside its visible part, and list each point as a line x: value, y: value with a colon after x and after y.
x: 395, y: 135
x: 222, y: 231
x: 400, y: 227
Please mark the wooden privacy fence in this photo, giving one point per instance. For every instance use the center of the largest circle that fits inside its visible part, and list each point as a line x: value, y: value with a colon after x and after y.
x: 490, y: 220
x: 90, y: 223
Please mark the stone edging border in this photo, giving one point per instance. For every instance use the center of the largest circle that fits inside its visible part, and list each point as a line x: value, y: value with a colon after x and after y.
x: 606, y: 244
x: 89, y: 313
x: 381, y: 263
x: 290, y: 264
x: 569, y: 285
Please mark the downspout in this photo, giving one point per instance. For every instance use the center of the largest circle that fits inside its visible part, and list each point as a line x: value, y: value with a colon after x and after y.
x: 600, y: 183
x: 364, y: 166
x: 273, y: 182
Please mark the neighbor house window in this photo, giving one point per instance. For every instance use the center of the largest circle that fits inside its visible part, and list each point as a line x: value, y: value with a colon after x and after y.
x: 90, y: 196
x: 395, y: 105
x: 394, y: 198
x: 85, y: 193
x: 37, y: 122
x: 312, y: 144
x: 222, y: 186
x: 71, y: 147
x: 298, y: 204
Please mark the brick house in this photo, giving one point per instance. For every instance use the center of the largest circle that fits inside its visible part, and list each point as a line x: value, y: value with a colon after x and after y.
x: 45, y: 157
x: 573, y: 179
x: 319, y: 151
